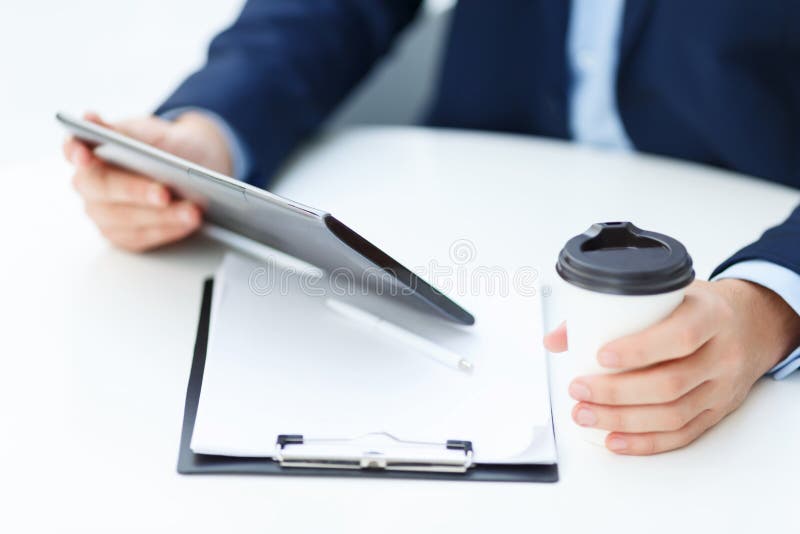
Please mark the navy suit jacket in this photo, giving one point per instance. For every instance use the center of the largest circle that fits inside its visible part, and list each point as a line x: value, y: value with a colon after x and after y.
x: 712, y: 81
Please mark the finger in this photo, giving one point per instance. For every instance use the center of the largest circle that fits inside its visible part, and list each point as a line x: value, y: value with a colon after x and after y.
x: 656, y: 442
x: 646, y: 418
x: 556, y: 341
x: 102, y: 183
x: 691, y: 324
x: 664, y: 382
x: 78, y: 153
x: 148, y: 238
x: 110, y: 216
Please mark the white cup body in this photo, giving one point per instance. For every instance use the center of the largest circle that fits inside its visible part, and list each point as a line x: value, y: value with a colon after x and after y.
x: 594, y: 319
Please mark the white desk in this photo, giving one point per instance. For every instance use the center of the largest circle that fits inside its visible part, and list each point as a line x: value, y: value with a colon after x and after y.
x: 96, y: 346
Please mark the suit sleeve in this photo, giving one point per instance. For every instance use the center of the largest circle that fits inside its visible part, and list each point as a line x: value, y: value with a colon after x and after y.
x: 284, y: 65
x: 779, y: 245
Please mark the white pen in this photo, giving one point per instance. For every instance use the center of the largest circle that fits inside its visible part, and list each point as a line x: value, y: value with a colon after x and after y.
x: 437, y: 352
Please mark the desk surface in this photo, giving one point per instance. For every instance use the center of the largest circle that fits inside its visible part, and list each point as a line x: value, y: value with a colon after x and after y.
x: 96, y: 346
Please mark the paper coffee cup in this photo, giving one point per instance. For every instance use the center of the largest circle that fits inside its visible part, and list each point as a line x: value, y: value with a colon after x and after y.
x: 620, y: 280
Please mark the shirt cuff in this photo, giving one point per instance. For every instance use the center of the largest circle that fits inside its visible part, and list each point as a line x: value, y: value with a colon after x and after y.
x: 240, y: 158
x: 784, y: 282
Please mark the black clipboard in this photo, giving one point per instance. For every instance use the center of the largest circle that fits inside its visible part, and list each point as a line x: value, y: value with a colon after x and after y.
x: 191, y: 463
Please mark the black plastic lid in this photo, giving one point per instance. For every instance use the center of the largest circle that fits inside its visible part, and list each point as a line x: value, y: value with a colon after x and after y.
x: 619, y: 258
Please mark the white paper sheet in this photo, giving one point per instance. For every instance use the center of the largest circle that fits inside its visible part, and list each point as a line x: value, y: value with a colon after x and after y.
x: 280, y: 361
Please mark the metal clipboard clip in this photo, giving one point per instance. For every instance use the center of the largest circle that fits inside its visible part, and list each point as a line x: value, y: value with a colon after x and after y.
x: 380, y: 451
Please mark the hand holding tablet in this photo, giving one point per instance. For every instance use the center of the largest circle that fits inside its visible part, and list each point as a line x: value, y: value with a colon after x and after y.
x: 130, y: 209
x: 138, y: 213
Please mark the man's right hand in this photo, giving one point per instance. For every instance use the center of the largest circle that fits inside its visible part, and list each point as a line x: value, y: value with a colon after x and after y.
x: 133, y: 211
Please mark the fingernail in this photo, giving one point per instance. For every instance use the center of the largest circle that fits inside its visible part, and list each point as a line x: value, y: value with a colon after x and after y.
x: 617, y: 444
x: 608, y: 359
x: 585, y: 417
x: 579, y: 391
x: 187, y: 216
x: 154, y: 196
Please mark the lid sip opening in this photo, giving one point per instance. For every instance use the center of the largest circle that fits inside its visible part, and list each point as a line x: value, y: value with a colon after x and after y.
x: 620, y: 258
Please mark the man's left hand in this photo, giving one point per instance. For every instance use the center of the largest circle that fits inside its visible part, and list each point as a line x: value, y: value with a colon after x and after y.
x: 688, y: 371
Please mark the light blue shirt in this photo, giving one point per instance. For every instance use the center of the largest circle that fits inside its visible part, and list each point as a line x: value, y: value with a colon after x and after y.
x: 593, y: 41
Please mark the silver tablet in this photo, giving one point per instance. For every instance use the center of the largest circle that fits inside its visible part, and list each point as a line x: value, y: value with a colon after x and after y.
x: 306, y: 233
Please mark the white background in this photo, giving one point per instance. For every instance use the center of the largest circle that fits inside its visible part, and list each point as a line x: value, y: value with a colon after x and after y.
x: 95, y: 344
x: 119, y: 58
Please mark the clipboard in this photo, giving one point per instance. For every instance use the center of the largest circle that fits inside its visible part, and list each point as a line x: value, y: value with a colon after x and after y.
x: 459, y: 453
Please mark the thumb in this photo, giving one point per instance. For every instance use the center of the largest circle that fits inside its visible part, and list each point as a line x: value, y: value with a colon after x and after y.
x: 91, y: 116
x: 151, y: 130
x: 556, y: 341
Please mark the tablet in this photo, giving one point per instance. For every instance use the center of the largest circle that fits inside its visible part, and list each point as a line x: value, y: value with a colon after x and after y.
x: 303, y: 232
